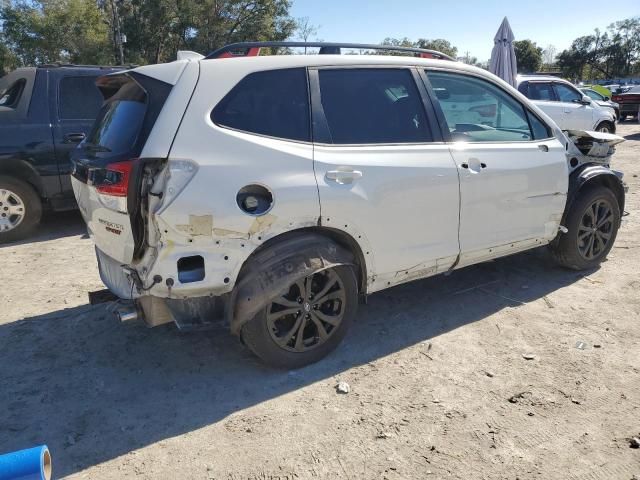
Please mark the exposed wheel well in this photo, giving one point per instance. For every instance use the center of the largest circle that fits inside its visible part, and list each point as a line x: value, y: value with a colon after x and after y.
x: 340, y: 237
x: 612, y: 125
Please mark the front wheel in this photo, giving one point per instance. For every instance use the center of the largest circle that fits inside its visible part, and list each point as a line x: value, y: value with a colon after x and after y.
x: 307, y: 321
x: 20, y: 209
x: 592, y: 225
x: 605, y: 127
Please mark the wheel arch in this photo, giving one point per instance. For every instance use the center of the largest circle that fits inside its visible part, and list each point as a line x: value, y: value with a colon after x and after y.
x: 591, y: 175
x: 22, y: 170
x: 284, y: 258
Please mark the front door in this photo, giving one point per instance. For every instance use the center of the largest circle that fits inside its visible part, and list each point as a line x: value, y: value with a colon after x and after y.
x: 384, y: 174
x: 513, y: 172
x: 578, y: 116
x: 78, y: 102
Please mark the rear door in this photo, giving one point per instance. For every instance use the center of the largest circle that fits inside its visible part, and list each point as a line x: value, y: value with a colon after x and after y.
x: 513, y: 173
x: 383, y: 171
x: 75, y: 101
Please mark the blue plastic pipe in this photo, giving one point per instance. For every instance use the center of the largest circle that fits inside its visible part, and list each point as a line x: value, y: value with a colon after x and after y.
x: 30, y: 464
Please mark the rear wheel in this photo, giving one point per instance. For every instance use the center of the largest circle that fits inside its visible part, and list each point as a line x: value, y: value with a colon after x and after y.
x: 307, y: 321
x: 593, y: 223
x: 20, y: 209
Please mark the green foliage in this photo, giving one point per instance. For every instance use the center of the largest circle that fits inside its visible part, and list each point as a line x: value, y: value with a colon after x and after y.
x: 48, y: 31
x: 86, y: 31
x: 612, y: 54
x: 528, y: 56
x: 438, y: 44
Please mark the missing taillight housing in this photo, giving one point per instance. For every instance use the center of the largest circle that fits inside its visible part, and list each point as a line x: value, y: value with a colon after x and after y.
x: 114, y: 179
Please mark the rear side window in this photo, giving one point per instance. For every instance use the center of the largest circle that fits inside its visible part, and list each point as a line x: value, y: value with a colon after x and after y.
x: 120, y: 119
x: 369, y: 106
x: 11, y: 96
x: 79, y: 98
x: 273, y: 103
x: 478, y: 111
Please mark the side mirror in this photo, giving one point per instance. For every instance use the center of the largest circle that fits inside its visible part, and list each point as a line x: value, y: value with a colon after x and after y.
x: 607, y: 99
x: 585, y: 100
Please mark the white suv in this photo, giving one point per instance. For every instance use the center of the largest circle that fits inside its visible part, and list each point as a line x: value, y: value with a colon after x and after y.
x: 570, y: 108
x: 274, y: 191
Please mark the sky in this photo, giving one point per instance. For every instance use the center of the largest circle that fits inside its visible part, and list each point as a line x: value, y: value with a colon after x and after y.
x: 468, y: 25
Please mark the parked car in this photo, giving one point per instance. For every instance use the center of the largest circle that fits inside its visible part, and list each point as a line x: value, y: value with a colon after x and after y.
x: 602, y: 100
x: 44, y: 113
x: 565, y: 104
x: 273, y: 192
x: 629, y: 103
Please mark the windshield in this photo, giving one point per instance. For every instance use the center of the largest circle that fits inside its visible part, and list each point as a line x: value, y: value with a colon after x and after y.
x: 593, y: 94
x: 119, y: 121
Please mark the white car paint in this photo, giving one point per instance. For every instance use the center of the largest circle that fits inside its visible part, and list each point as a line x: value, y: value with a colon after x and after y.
x: 571, y: 115
x: 412, y: 210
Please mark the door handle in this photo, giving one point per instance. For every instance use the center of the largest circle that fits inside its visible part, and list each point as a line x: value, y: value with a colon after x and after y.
x: 343, y: 176
x: 466, y: 165
x: 544, y: 148
x: 74, y: 137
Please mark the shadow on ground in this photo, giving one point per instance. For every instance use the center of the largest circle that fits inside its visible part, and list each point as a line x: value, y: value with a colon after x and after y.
x: 94, y: 389
x: 55, y: 225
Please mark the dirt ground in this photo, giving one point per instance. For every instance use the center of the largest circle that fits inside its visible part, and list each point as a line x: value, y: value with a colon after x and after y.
x: 439, y: 384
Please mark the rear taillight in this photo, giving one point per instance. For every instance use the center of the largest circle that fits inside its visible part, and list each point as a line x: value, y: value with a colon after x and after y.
x: 616, y: 98
x: 114, y: 178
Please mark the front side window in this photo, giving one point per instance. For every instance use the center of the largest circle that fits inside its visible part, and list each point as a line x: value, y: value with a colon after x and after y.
x: 373, y: 106
x: 273, y: 103
x: 478, y: 111
x: 79, y: 98
x: 541, y: 91
x: 593, y: 94
x: 10, y: 97
x: 566, y: 93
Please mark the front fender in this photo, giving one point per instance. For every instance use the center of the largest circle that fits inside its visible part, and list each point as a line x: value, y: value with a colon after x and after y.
x: 595, y: 174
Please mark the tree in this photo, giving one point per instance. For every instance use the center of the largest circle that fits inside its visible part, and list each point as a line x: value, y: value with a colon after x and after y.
x: 549, y: 55
x: 612, y: 54
x: 438, y: 44
x: 305, y: 30
x: 528, y: 56
x: 48, y: 31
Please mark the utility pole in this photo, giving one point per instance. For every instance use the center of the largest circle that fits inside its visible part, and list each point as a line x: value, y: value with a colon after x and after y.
x: 117, y: 34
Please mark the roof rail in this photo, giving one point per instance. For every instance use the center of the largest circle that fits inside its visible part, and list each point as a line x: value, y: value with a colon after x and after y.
x: 73, y: 65
x: 252, y: 49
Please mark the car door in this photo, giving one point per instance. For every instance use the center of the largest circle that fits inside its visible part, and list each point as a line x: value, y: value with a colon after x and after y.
x: 513, y: 173
x: 577, y: 115
x: 544, y: 96
x: 384, y: 174
x: 76, y: 105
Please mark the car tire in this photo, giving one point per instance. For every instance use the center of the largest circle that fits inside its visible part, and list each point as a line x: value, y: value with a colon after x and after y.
x: 606, y: 127
x: 582, y: 247
x: 20, y: 209
x: 293, y: 340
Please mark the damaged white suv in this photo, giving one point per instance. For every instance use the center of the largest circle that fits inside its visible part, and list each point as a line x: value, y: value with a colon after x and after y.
x: 273, y: 192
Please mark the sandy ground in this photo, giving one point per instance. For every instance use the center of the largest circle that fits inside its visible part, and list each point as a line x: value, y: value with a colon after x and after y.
x: 440, y: 387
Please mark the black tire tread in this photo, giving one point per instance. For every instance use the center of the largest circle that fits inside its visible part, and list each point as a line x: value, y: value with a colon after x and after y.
x: 563, y: 249
x: 33, y: 206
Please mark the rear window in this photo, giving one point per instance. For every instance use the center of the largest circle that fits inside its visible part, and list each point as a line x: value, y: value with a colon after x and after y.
x: 273, y: 103
x: 79, y: 98
x: 10, y: 97
x: 120, y: 119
